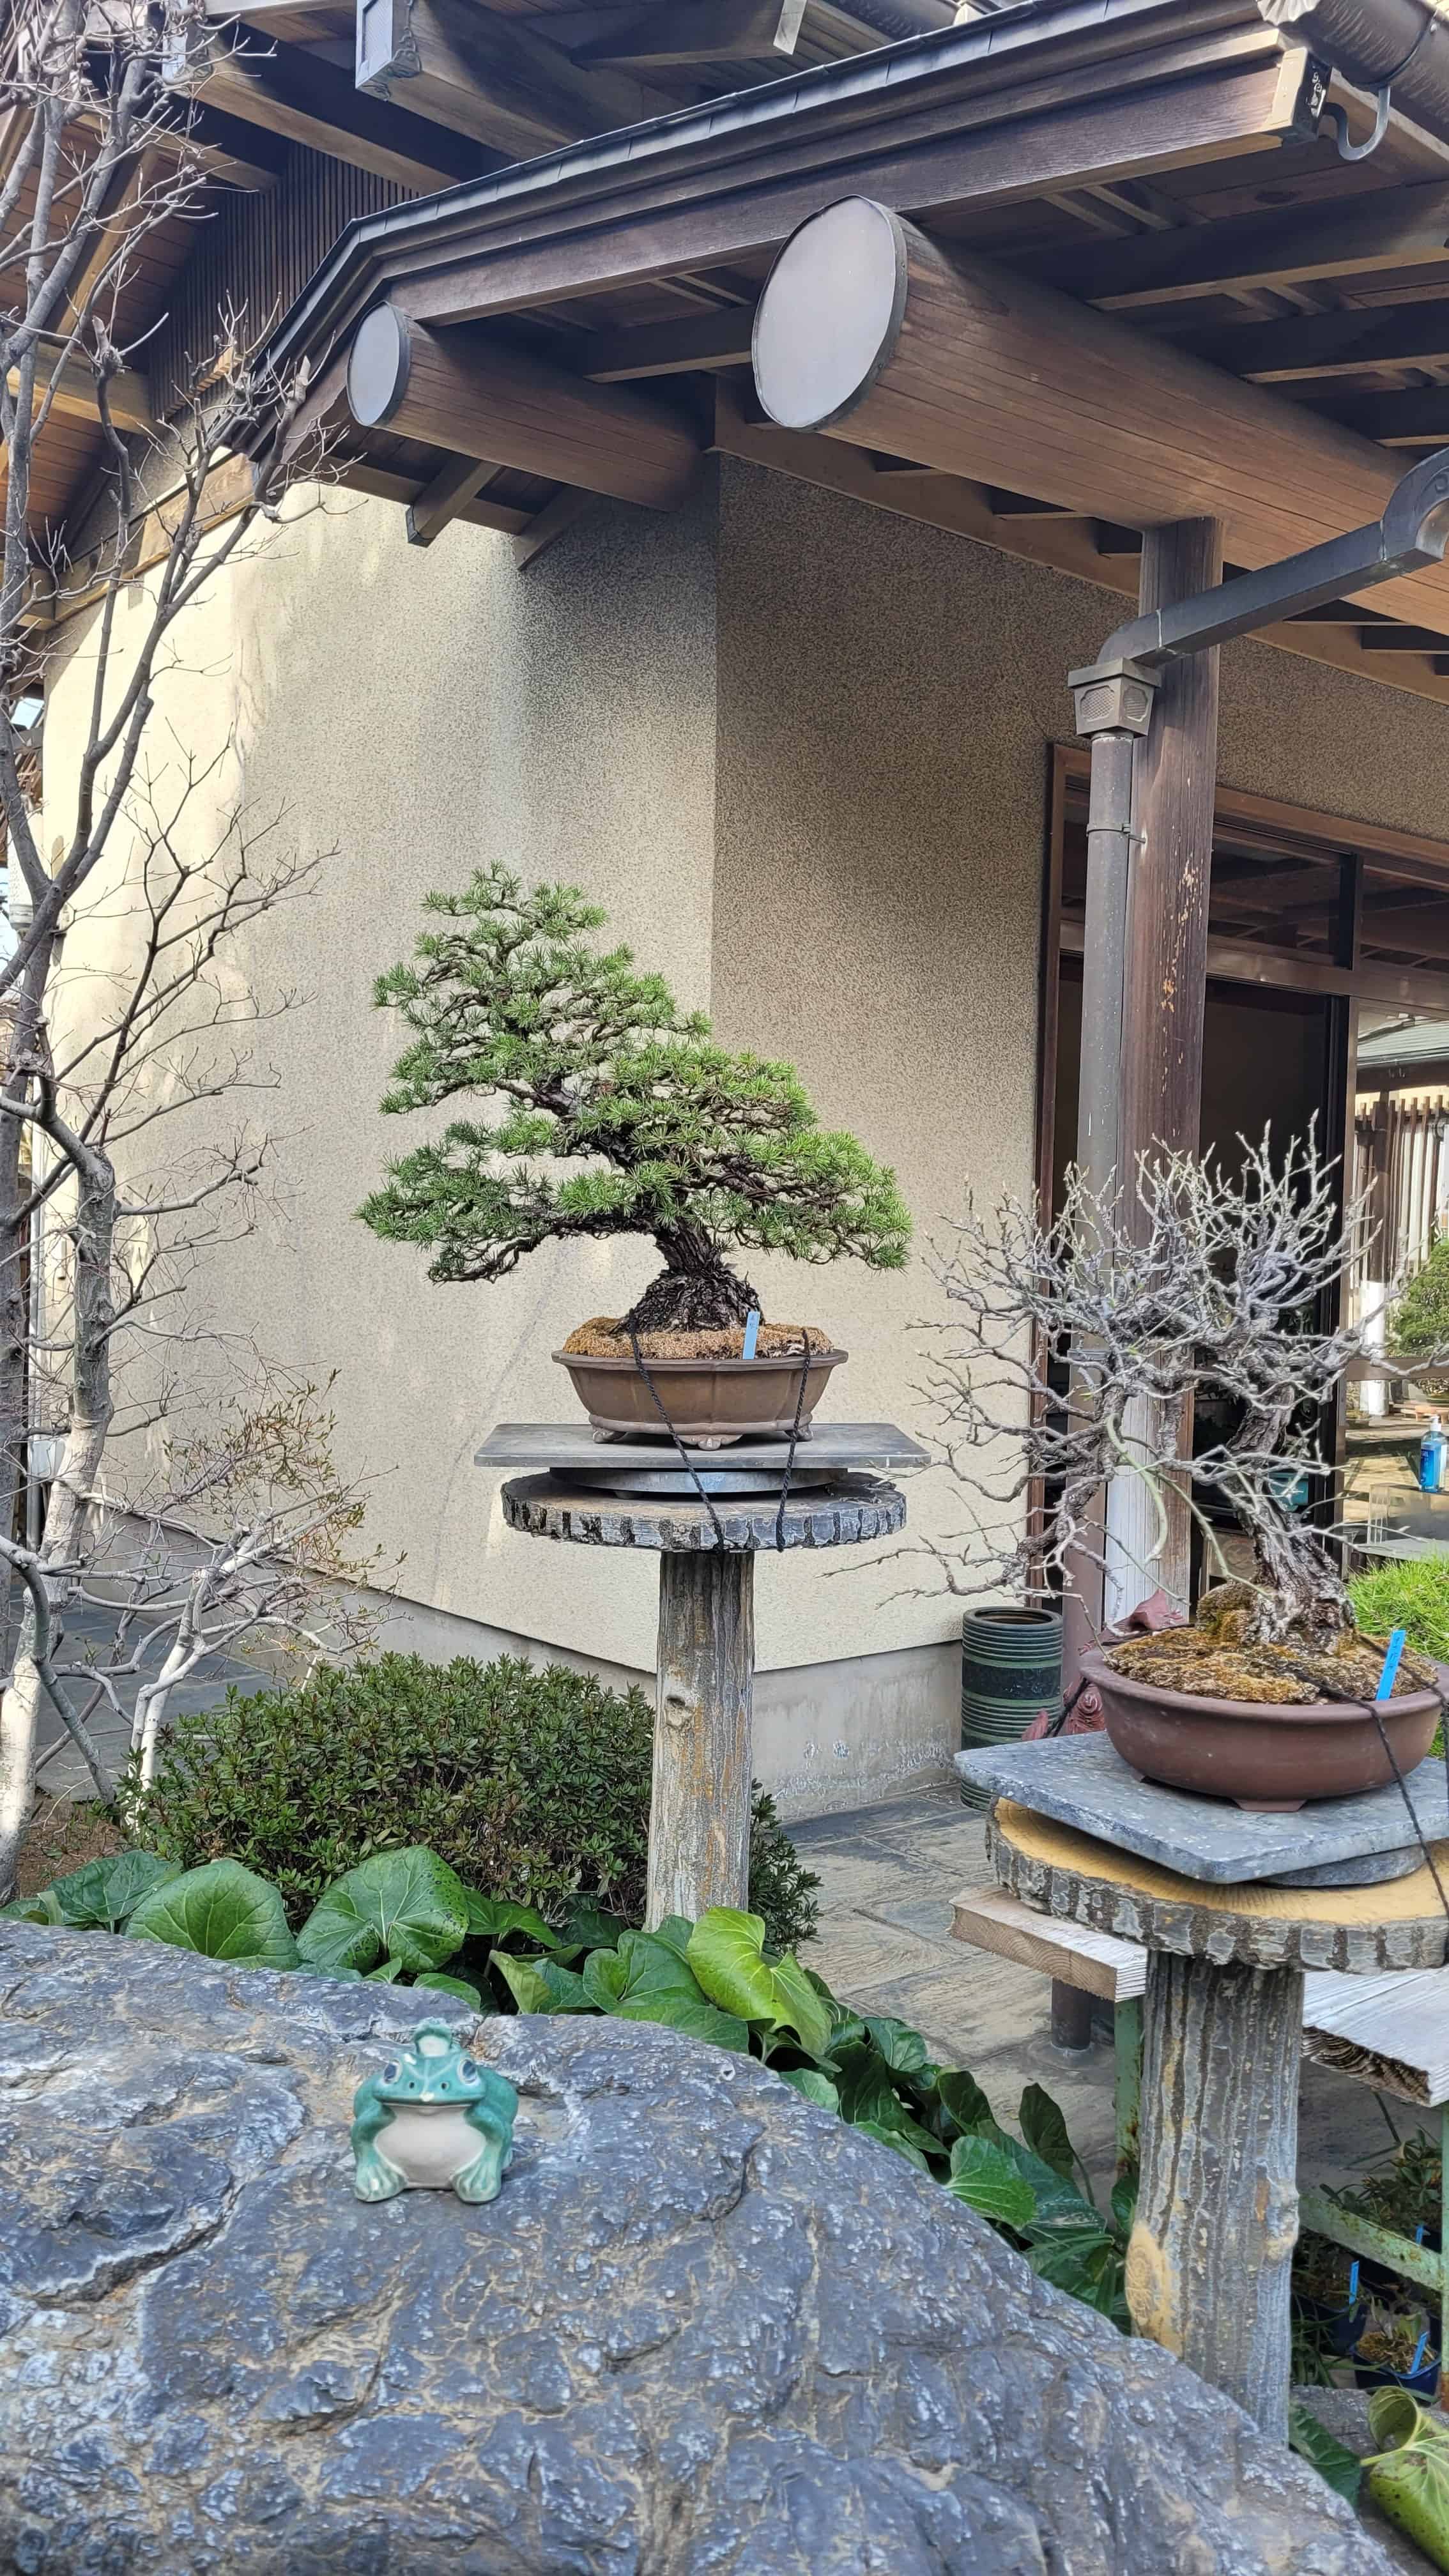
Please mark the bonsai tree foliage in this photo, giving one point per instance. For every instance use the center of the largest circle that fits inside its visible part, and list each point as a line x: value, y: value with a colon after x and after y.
x: 1199, y: 1287
x: 594, y: 1064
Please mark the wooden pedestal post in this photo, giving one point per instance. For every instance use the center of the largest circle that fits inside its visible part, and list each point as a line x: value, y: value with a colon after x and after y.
x: 1211, y: 2256
x: 699, y: 1826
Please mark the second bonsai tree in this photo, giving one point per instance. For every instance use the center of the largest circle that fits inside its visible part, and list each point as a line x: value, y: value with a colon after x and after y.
x: 589, y: 1063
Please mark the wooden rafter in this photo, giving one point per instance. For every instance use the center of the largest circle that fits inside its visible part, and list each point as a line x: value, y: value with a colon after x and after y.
x: 312, y: 101
x: 1393, y: 228
x: 1326, y: 344
x: 493, y: 78
x: 670, y: 348
x: 447, y: 496
x: 676, y: 33
x: 1417, y: 418
x: 74, y: 396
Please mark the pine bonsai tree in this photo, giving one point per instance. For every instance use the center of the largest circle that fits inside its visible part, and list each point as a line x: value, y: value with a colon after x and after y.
x: 593, y: 1063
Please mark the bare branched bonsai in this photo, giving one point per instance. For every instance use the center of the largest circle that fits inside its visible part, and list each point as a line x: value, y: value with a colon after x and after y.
x: 594, y: 1065
x: 1204, y: 1288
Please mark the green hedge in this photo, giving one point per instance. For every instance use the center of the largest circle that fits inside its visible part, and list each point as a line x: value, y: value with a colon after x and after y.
x: 533, y: 1784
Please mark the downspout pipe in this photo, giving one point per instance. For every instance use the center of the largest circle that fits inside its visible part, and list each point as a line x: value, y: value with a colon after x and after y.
x: 1397, y: 45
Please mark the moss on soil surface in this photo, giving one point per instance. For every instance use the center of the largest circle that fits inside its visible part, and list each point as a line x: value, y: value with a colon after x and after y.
x: 602, y: 1339
x: 1213, y: 1660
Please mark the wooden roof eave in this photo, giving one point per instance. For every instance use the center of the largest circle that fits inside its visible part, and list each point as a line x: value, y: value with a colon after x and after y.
x: 939, y: 118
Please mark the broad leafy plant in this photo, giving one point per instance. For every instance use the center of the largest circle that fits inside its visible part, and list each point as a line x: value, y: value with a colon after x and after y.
x: 405, y: 1916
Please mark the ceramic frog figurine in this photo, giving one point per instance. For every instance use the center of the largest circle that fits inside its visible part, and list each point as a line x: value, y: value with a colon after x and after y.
x: 434, y: 2116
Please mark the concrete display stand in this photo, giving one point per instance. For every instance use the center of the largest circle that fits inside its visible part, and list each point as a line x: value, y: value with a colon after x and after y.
x: 699, y: 1822
x: 1210, y: 2259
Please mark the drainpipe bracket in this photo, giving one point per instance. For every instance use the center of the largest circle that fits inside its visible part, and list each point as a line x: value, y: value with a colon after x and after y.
x: 1113, y: 697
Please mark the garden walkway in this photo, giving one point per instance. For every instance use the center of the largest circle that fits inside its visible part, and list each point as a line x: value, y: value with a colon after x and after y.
x: 88, y: 1633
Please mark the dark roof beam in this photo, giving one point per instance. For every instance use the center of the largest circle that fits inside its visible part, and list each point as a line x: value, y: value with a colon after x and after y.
x: 1344, y: 343
x: 1416, y: 418
x: 675, y: 34
x: 491, y: 78
x: 1392, y: 228
x: 669, y: 348
x: 297, y: 94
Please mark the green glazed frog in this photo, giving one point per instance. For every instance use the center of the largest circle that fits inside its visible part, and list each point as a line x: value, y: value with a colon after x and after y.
x: 433, y: 2117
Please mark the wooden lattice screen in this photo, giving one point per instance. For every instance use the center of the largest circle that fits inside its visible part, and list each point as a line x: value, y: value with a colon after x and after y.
x: 1401, y: 1159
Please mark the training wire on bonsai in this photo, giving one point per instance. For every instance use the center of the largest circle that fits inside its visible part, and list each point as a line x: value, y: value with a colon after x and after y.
x: 1087, y: 1342
x: 594, y: 1064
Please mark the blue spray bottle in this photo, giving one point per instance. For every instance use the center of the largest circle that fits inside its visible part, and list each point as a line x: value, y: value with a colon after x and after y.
x: 1432, y: 1450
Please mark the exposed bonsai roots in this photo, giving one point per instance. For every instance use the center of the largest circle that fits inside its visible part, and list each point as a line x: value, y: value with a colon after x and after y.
x: 691, y: 1301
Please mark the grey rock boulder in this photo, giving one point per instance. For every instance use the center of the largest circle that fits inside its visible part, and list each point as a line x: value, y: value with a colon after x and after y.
x: 704, y: 2331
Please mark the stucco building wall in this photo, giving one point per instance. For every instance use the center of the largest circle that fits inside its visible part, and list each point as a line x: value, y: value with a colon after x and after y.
x: 800, y: 750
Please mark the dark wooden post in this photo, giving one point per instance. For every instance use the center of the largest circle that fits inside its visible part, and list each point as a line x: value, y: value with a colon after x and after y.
x: 1211, y: 2253
x: 699, y: 1820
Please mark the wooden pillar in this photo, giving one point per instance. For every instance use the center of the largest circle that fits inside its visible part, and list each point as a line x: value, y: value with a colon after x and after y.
x: 1211, y: 2254
x: 1164, y: 993
x: 699, y: 1818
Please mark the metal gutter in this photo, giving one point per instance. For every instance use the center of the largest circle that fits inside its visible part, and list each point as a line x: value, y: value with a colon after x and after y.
x: 1379, y: 45
x: 897, y: 75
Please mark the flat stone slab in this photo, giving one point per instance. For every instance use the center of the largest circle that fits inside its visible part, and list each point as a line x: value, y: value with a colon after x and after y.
x: 705, y: 2330
x: 843, y: 1514
x: 567, y: 1448
x: 1079, y: 1780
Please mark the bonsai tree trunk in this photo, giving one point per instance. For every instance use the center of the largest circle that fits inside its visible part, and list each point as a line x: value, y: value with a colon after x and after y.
x: 696, y: 1292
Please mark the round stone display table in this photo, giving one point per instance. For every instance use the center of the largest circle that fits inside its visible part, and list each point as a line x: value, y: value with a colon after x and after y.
x: 699, y: 1817
x: 1210, y: 2257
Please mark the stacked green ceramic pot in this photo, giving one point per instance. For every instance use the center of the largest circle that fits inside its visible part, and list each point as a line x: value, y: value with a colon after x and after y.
x: 1011, y: 1669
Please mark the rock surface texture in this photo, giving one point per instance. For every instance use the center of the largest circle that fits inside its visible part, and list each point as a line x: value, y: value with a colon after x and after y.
x: 704, y: 2331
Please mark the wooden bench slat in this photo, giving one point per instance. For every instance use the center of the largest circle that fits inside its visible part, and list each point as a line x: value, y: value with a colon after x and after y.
x: 1096, y: 1961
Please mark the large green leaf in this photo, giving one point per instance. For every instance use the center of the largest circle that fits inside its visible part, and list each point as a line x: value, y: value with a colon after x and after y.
x: 1045, y: 2131
x: 644, y: 1980
x: 1085, y: 2261
x: 31, y: 1909
x: 964, y: 2102
x: 105, y: 1893
x: 726, y: 1952
x: 444, y: 1985
x: 402, y: 1905
x: 903, y: 2049
x: 1333, y: 2460
x: 811, y: 2085
x: 490, y: 1919
x: 588, y: 1927
x: 1409, y: 2480
x: 903, y: 2145
x: 987, y: 2179
x: 541, y: 1985
x: 222, y: 1910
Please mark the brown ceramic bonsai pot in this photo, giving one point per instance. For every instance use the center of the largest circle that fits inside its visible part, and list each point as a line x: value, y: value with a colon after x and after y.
x: 1256, y: 1753
x: 708, y: 1402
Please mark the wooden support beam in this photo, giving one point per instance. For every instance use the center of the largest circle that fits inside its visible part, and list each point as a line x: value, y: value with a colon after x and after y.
x: 1122, y: 545
x: 1021, y: 505
x: 669, y: 348
x: 311, y: 101
x: 1392, y: 228
x: 75, y: 396
x: 552, y: 522
x: 490, y: 77
x: 1326, y: 344
x: 676, y: 33
x: 1419, y: 417
x: 457, y: 483
x: 478, y: 397
x: 874, y: 334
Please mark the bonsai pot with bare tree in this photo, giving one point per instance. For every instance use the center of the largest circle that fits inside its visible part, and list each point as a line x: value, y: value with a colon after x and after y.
x: 587, y: 1063
x: 1065, y: 1410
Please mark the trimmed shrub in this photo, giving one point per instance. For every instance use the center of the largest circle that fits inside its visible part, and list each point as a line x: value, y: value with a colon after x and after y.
x: 532, y: 1784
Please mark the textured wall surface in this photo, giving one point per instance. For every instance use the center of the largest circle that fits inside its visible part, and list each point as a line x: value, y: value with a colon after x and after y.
x: 801, y: 752
x: 705, y: 2326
